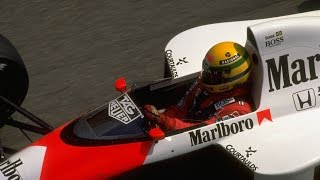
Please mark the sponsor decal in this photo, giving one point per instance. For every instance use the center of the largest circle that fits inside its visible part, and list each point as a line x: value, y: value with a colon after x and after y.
x: 229, y: 60
x: 172, y: 66
x: 243, y: 158
x: 200, y: 136
x: 9, y: 169
x: 304, y: 99
x: 124, y: 109
x: 274, y: 39
x: 250, y: 151
x: 264, y: 114
x: 228, y: 116
x: 220, y: 104
x: 281, y: 74
x: 182, y: 61
x: 221, y: 130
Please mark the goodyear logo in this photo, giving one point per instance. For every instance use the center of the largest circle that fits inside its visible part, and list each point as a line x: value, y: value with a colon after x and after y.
x: 124, y: 109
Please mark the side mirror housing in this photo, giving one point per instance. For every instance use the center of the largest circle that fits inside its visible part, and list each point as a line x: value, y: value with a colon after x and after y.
x: 156, y: 133
x: 121, y: 84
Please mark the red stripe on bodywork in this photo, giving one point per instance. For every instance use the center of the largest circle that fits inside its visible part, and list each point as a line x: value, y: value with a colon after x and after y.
x: 64, y: 161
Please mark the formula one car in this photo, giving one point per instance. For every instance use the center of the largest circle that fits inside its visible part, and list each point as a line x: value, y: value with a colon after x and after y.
x: 278, y: 140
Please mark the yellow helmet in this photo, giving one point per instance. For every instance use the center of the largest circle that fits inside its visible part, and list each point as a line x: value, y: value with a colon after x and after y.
x: 226, y: 65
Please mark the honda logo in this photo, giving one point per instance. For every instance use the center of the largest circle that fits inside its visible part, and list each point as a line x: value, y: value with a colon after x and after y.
x: 304, y: 99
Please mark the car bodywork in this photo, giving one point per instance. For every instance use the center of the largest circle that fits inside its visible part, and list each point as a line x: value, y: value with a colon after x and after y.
x: 285, y: 92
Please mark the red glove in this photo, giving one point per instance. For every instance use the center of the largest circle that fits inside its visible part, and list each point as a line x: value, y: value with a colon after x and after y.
x: 151, y: 112
x: 166, y: 123
x: 160, y: 119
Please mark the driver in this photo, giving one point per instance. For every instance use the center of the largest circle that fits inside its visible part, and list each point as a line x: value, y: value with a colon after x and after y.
x: 221, y: 92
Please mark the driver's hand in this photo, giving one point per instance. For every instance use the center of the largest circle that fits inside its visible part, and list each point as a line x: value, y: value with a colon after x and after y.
x: 151, y: 112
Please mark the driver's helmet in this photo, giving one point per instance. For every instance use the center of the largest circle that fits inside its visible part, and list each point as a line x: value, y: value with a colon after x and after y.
x: 226, y: 65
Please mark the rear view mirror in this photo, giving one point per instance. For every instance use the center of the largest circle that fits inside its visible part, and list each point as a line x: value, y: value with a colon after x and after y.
x: 120, y: 85
x: 156, y: 133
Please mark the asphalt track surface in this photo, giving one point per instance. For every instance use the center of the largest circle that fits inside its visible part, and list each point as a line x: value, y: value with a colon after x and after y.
x: 74, y: 51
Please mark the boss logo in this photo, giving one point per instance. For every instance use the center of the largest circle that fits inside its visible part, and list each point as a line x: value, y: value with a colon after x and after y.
x: 274, y: 42
x: 274, y: 39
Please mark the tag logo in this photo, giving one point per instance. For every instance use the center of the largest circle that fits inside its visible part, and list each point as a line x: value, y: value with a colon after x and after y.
x: 304, y: 99
x: 123, y: 109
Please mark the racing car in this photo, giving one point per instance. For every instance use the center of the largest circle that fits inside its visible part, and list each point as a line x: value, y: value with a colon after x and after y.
x: 278, y: 140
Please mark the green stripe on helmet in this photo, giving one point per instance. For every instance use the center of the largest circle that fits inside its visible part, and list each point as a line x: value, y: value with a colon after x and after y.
x: 236, y: 64
x: 239, y: 75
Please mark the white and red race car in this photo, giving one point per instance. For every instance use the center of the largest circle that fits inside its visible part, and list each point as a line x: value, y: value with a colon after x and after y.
x: 279, y: 140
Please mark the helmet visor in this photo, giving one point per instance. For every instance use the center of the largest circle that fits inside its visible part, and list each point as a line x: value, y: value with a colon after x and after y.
x: 212, y: 76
